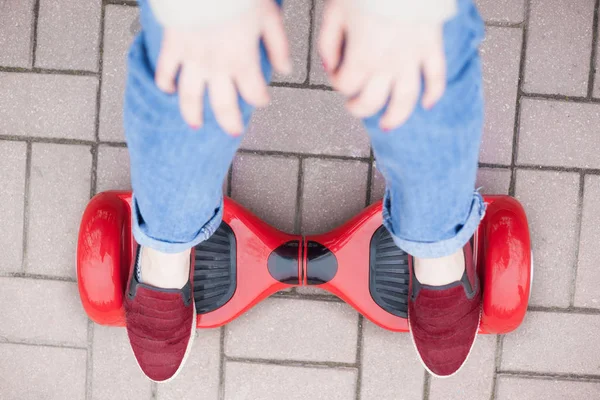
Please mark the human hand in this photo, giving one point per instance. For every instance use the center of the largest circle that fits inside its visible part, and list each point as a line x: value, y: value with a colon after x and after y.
x: 223, y: 58
x: 372, y: 59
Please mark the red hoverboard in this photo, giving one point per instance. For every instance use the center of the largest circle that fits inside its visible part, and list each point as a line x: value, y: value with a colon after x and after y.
x: 247, y: 260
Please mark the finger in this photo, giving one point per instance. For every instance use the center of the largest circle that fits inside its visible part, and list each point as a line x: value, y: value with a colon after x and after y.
x: 372, y: 98
x: 275, y: 38
x: 191, y: 95
x: 251, y: 83
x: 224, y: 101
x: 403, y: 99
x: 332, y: 36
x: 167, y: 65
x: 434, y: 74
x: 351, y: 75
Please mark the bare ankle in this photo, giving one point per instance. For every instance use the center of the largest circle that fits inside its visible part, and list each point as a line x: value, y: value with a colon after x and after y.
x: 165, y: 270
x: 440, y: 271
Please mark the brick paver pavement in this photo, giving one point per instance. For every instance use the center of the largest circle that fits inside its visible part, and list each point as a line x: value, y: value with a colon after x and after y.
x: 305, y: 166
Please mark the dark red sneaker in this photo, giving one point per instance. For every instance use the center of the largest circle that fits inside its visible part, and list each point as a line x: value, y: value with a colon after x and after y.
x: 444, y: 320
x: 160, y: 324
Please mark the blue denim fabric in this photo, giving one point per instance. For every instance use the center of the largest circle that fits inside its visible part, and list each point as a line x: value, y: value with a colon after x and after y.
x: 429, y: 163
x: 176, y: 172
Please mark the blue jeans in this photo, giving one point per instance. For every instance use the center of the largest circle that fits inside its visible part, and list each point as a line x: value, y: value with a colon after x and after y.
x: 429, y: 163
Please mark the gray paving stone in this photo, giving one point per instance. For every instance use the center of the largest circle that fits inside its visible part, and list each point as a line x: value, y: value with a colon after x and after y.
x: 510, y: 388
x: 550, y: 201
x: 275, y: 382
x: 553, y: 343
x: 296, y: 17
x: 317, y: 73
x: 334, y: 191
x: 200, y: 377
x: 377, y: 185
x: 48, y: 106
x: 16, y: 23
x: 68, y: 34
x: 512, y: 11
x: 390, y: 368
x: 12, y: 182
x: 559, y: 133
x: 475, y: 379
x: 500, y: 54
x: 559, y: 47
x: 493, y: 180
x: 588, y: 273
x: 115, y: 373
x: 267, y: 186
x: 37, y: 372
x: 41, y: 311
x: 59, y: 192
x: 113, y: 169
x: 302, y: 330
x: 306, y: 121
x: 312, y: 291
x: 118, y: 35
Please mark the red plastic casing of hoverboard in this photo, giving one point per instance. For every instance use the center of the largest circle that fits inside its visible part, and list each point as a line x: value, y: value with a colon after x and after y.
x: 106, y: 246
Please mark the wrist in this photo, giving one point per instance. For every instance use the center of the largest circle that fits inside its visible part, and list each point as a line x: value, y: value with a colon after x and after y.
x: 194, y: 14
x: 417, y: 11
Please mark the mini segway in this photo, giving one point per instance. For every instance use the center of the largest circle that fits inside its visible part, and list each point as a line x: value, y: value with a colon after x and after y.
x: 246, y: 260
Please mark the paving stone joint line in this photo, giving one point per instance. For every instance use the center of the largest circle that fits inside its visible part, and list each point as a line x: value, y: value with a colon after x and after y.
x: 311, y: 23
x: 26, y: 192
x: 89, y: 387
x: 49, y: 71
x: 426, y: 384
x: 577, y: 239
x: 222, y: 362
x: 125, y: 3
x: 36, y: 13
x: 594, y: 56
x: 25, y: 275
x: 29, y: 342
x: 517, y: 120
x: 497, y: 364
x: 299, y: 196
x: 359, y: 352
x: 551, y: 376
x: 293, y: 363
x: 567, y: 310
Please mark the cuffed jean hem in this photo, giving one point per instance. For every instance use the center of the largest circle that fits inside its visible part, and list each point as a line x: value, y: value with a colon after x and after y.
x: 444, y: 247
x: 145, y: 240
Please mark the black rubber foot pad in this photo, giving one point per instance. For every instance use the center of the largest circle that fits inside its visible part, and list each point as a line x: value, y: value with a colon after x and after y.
x: 388, y: 274
x: 215, y: 270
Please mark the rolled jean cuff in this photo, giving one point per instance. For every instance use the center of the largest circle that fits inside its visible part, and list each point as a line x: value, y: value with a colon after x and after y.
x: 444, y: 247
x: 143, y: 239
